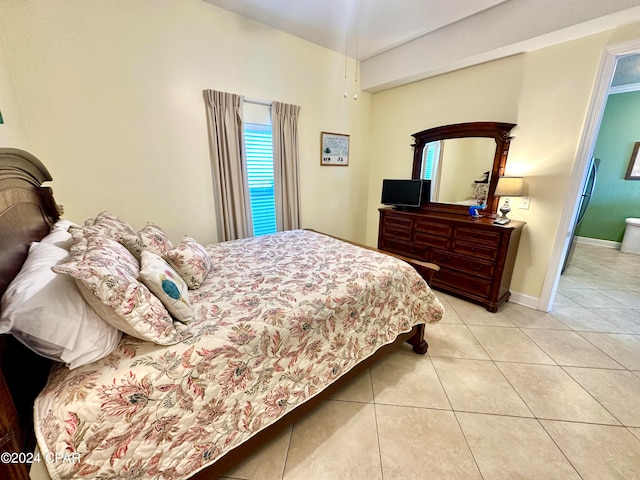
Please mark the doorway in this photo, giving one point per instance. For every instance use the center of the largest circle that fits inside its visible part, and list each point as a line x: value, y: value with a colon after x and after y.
x: 580, y: 171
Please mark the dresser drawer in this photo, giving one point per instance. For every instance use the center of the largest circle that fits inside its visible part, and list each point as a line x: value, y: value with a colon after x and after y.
x: 397, y: 233
x: 472, y: 286
x: 433, y: 228
x: 475, y: 250
x: 463, y: 264
x: 403, y: 248
x: 486, y: 239
x: 397, y: 221
x: 432, y: 240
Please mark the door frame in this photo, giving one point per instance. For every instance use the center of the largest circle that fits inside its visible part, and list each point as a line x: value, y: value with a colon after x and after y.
x: 579, y: 173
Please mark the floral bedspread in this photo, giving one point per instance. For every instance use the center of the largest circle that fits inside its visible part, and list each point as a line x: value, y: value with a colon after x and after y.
x: 278, y: 319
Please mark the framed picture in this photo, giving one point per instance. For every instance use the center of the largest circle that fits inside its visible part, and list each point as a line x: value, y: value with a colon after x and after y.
x: 334, y: 149
x: 633, y: 172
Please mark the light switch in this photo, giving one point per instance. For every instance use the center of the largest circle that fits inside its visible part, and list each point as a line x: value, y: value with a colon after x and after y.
x: 525, y: 202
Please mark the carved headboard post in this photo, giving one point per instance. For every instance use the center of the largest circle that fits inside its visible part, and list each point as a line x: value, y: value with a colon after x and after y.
x: 27, y: 212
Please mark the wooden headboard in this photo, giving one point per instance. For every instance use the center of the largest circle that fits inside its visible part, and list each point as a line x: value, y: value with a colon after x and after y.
x: 27, y: 212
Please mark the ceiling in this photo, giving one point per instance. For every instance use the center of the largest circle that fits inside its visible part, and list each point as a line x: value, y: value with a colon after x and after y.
x: 400, y: 41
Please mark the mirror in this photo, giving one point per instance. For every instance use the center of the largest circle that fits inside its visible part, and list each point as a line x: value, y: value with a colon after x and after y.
x: 463, y: 162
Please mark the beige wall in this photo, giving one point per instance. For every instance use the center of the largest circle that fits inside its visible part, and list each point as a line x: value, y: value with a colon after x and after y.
x: 546, y: 93
x: 111, y: 98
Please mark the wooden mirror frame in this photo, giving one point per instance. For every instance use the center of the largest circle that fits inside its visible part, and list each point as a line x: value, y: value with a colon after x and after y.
x: 500, y: 132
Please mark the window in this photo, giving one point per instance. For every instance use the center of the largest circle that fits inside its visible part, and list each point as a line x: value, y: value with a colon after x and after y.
x: 430, y: 160
x: 259, y: 156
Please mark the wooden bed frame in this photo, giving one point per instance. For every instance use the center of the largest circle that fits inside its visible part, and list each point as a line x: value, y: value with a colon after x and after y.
x: 27, y: 212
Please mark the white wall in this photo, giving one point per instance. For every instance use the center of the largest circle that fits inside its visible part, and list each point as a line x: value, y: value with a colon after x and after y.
x: 111, y: 95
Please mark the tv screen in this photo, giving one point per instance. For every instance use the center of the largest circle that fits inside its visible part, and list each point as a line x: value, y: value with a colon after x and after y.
x: 402, y: 193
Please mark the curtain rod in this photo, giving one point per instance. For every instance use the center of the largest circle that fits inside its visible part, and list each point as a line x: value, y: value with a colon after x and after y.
x: 258, y: 102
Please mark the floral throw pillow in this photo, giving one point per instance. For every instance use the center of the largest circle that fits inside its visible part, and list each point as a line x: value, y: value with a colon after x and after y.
x: 151, y: 238
x: 166, y: 284
x: 191, y: 261
x: 107, y: 277
x: 108, y: 225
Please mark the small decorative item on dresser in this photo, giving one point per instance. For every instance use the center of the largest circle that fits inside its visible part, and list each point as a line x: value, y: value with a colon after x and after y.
x: 334, y: 149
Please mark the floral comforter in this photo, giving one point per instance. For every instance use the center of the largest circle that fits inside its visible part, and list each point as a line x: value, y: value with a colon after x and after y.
x: 278, y: 319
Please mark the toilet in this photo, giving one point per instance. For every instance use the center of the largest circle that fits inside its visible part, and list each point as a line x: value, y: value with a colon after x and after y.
x: 631, y: 239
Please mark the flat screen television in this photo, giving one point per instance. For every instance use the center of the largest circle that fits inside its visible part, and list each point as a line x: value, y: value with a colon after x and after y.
x: 401, y: 193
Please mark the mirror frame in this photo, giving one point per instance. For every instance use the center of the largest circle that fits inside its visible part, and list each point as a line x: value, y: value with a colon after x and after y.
x: 500, y: 132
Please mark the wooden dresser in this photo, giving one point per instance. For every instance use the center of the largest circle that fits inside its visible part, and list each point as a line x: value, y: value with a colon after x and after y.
x: 475, y: 257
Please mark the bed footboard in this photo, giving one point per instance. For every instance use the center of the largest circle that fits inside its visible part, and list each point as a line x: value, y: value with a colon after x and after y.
x: 417, y: 341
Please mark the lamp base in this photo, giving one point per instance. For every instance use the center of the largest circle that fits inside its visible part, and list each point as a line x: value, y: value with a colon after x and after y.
x: 503, y: 219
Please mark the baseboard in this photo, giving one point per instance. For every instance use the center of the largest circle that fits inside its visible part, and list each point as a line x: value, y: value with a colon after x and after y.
x: 598, y: 242
x: 524, y: 300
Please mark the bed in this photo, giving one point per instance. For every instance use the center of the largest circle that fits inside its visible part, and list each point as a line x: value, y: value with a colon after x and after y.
x: 275, y: 325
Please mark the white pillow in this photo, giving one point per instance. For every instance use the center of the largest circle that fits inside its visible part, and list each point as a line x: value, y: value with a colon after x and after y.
x: 45, y: 311
x: 166, y: 284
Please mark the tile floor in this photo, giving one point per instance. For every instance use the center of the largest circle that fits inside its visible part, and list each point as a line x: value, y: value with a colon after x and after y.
x: 512, y: 395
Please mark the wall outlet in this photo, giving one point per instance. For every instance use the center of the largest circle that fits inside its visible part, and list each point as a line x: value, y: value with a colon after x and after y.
x: 525, y: 202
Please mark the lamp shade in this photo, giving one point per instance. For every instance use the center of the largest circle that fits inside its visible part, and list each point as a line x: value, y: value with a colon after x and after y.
x: 509, y: 187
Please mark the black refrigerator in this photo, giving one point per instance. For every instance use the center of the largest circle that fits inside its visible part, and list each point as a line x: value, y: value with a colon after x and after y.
x: 585, y: 198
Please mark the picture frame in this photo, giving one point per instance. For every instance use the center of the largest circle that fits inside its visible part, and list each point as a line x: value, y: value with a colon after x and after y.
x: 633, y: 171
x: 334, y: 149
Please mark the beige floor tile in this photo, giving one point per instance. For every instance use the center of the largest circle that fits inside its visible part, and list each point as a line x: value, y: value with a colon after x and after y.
x: 450, y: 315
x: 617, y: 390
x: 478, y: 386
x: 625, y: 318
x: 419, y: 443
x: 582, y: 319
x: 529, y: 318
x: 455, y: 341
x: 358, y: 390
x: 401, y: 379
x: 267, y: 463
x: 472, y: 314
x: 552, y: 394
x: 599, y: 452
x: 569, y: 348
x: 338, y: 440
x: 624, y: 349
x: 509, y: 345
x: 509, y: 448
x: 635, y: 431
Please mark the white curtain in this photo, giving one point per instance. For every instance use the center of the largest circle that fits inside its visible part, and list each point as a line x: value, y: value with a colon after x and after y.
x: 226, y: 147
x: 284, y: 124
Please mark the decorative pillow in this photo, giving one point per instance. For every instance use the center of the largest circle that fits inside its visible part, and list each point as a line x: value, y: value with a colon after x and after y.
x: 151, y: 238
x: 46, y: 312
x: 108, y: 272
x: 59, y: 235
x: 480, y: 191
x: 108, y: 225
x: 191, y: 261
x: 166, y: 284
